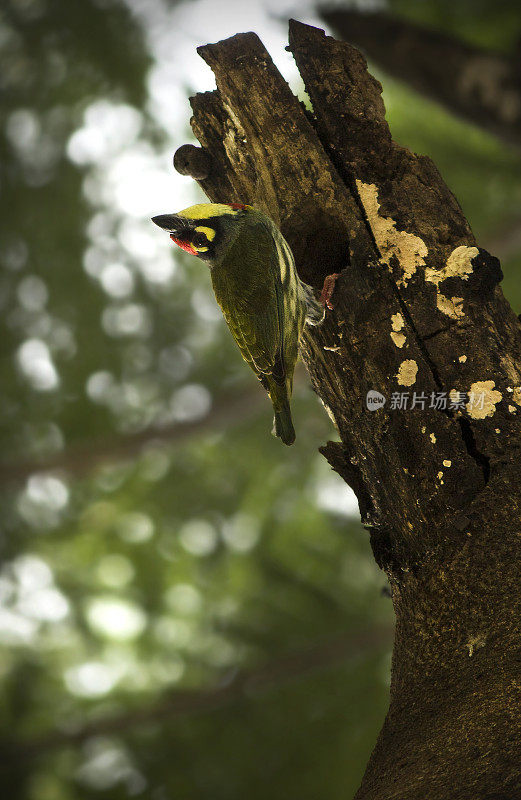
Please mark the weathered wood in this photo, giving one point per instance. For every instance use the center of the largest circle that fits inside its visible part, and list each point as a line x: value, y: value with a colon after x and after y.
x: 417, y: 308
x: 193, y: 161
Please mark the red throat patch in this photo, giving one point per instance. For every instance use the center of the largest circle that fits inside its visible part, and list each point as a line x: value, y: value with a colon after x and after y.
x: 184, y: 245
x: 236, y: 206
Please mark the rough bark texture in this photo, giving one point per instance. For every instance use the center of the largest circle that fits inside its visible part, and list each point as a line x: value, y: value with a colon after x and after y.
x: 479, y: 85
x: 417, y: 308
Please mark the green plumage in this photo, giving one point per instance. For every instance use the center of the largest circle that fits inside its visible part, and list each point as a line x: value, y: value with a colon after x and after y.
x: 258, y: 289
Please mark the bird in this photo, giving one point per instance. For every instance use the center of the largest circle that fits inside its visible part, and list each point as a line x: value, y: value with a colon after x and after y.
x: 255, y: 282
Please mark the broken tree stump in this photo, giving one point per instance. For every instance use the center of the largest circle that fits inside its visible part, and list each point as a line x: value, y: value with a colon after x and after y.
x: 419, y: 313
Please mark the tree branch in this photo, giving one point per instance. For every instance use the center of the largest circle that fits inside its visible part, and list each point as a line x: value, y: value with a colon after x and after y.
x: 505, y: 242
x: 241, y: 686
x: 81, y: 459
x: 481, y: 86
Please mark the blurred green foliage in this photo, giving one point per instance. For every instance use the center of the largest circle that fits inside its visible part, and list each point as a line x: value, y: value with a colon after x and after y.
x: 127, y: 583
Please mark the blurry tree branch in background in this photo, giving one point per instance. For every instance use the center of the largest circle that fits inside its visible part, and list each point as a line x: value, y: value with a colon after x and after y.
x: 81, y: 459
x: 247, y: 685
x: 506, y: 242
x: 437, y: 485
x: 482, y: 86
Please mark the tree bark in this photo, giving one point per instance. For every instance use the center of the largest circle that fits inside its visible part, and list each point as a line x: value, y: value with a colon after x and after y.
x: 417, y: 308
x: 479, y: 85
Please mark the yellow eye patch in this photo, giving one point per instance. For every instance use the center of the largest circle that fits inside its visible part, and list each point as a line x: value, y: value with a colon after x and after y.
x: 201, y: 236
x: 208, y: 232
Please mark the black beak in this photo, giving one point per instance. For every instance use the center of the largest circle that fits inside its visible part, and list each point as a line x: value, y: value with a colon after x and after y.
x: 172, y: 223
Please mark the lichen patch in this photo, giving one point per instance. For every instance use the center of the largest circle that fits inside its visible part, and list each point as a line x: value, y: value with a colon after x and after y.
x: 433, y: 438
x: 447, y: 463
x: 458, y: 265
x: 409, y: 249
x: 483, y: 398
x: 407, y: 372
x: 398, y: 338
x: 474, y: 643
x: 516, y: 395
x: 450, y: 306
x: 462, y: 359
x: 397, y: 322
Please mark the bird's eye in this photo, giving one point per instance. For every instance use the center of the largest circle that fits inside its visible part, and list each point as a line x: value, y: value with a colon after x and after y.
x: 199, y: 240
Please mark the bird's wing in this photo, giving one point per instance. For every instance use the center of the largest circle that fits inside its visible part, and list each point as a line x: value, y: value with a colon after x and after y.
x: 252, y: 300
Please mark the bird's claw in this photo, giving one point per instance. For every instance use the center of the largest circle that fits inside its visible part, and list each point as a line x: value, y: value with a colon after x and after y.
x: 328, y: 289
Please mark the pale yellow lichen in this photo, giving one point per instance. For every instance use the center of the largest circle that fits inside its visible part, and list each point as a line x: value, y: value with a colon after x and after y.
x: 407, y: 372
x: 458, y: 265
x: 398, y: 338
x: 483, y: 399
x: 433, y: 438
x: 450, y: 306
x: 462, y: 359
x: 440, y: 475
x: 424, y: 429
x: 516, y: 395
x: 474, y: 643
x: 447, y: 463
x: 512, y: 409
x: 397, y: 322
x: 409, y: 249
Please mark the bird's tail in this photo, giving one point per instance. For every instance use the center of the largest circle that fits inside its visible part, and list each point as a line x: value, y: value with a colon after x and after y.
x: 283, y: 425
x: 280, y: 393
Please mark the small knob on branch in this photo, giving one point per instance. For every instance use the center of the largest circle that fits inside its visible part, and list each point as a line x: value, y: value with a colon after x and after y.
x: 193, y: 161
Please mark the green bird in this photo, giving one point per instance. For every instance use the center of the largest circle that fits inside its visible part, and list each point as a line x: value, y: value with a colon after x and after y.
x: 257, y: 287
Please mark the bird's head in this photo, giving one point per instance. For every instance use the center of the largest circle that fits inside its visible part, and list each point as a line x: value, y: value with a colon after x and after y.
x: 205, y: 230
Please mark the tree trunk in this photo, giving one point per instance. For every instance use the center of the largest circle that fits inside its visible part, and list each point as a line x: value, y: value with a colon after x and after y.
x: 417, y: 312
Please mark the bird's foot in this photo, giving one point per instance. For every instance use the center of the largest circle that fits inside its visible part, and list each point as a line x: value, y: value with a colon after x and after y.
x: 328, y: 289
